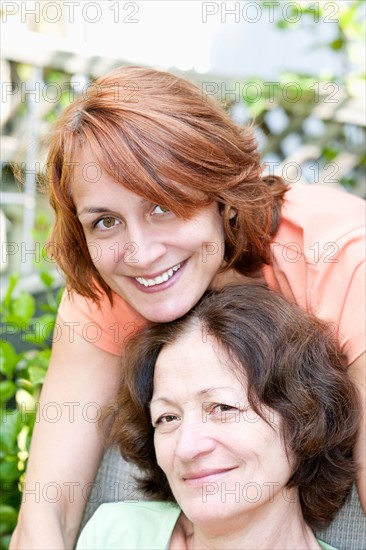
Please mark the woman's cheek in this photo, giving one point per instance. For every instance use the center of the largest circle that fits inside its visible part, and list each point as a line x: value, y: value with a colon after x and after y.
x: 104, y: 257
x: 162, y: 451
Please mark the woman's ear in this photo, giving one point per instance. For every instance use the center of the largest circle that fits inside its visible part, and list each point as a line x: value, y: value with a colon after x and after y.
x: 232, y: 212
x: 227, y: 211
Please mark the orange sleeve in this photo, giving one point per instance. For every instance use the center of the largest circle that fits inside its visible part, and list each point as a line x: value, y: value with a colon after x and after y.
x: 105, y: 326
x: 338, y: 293
x: 318, y: 261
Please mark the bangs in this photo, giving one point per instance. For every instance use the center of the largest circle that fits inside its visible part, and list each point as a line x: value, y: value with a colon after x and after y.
x: 167, y: 143
x: 149, y: 160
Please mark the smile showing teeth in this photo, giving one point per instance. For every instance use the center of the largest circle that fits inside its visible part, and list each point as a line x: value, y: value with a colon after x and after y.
x: 160, y: 279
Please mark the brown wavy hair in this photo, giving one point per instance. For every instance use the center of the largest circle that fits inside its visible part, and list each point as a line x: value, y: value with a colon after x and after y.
x: 164, y: 139
x: 290, y: 363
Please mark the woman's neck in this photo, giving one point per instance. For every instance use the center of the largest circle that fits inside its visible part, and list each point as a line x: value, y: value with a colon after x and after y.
x: 233, y: 277
x: 278, y: 530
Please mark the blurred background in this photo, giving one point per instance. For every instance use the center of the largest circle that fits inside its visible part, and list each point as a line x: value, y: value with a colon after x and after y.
x: 297, y: 69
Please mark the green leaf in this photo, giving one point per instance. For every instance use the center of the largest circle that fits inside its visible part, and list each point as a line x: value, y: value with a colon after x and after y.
x: 8, y: 358
x: 42, y: 328
x: 314, y: 12
x: 33, y: 358
x: 25, y: 384
x: 13, y: 281
x: 5, y: 541
x: 7, y: 390
x: 36, y: 375
x: 62, y: 289
x: 29, y: 435
x: 9, y: 470
x: 8, y: 518
x: 24, y: 306
x: 11, y: 424
x: 26, y: 402
x: 348, y: 17
x: 47, y: 279
x: 282, y: 24
x: 329, y: 153
x: 337, y: 44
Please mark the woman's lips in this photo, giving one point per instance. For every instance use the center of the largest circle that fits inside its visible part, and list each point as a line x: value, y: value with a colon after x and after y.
x: 205, y: 476
x: 176, y: 271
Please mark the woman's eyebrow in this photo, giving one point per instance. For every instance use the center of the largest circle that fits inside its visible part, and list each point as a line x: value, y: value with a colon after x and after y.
x: 212, y: 389
x: 101, y: 209
x: 164, y: 400
x: 205, y: 392
x: 93, y: 210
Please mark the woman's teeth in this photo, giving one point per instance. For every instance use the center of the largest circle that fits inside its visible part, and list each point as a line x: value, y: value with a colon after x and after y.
x: 160, y: 279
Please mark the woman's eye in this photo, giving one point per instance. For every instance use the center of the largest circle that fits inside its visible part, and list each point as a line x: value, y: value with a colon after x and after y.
x: 160, y: 209
x: 222, y: 407
x: 166, y: 423
x: 166, y: 419
x: 106, y: 223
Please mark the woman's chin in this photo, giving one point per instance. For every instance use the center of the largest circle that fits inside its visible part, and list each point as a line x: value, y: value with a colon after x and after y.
x: 165, y: 311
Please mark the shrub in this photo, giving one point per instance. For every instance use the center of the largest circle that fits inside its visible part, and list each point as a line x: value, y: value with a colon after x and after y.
x: 25, y: 350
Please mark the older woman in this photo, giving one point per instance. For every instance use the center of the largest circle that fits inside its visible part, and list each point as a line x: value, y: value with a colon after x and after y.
x: 241, y: 414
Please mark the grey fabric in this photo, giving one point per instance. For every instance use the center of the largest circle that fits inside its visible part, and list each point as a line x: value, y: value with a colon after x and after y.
x: 348, y: 530
x: 115, y: 481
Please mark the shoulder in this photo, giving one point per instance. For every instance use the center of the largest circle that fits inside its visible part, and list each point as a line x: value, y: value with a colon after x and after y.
x: 317, y: 253
x: 322, y: 224
x: 323, y: 209
x: 106, y: 325
x: 73, y: 302
x: 334, y: 196
x: 125, y: 525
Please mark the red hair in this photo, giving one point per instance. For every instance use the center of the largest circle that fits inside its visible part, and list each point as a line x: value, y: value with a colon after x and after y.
x: 165, y: 140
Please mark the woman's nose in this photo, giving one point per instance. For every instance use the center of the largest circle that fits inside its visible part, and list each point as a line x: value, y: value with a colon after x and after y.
x: 144, y: 248
x: 193, y: 439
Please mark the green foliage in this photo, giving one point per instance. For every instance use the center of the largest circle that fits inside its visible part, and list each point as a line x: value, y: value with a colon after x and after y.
x: 297, y: 91
x: 347, y: 22
x: 332, y: 99
x: 22, y: 374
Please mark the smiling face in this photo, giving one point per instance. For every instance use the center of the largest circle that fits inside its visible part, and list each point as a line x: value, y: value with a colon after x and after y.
x: 222, y: 461
x: 159, y: 263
